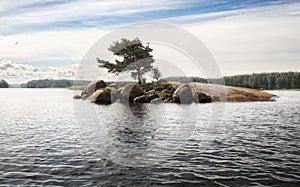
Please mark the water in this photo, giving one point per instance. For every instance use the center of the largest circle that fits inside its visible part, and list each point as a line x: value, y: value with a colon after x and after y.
x: 42, y: 143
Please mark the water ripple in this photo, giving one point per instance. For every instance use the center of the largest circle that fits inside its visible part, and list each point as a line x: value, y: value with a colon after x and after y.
x: 41, y: 143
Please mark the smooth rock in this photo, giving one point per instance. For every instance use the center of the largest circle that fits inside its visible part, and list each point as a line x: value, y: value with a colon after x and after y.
x: 156, y: 101
x: 183, y: 94
x: 92, y: 87
x: 169, y: 100
x: 101, y: 97
x: 150, y: 92
x: 130, y: 91
x: 201, y: 97
x: 229, y: 93
x: 152, y: 96
x: 141, y: 99
x: 77, y: 97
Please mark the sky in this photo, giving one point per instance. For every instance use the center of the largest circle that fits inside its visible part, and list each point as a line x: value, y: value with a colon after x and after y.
x: 49, y: 38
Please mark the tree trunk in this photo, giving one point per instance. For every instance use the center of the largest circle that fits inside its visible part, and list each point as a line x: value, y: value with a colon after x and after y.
x: 140, y: 78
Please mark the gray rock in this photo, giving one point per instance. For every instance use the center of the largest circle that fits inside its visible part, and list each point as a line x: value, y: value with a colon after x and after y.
x: 84, y: 96
x: 131, y: 91
x: 151, y: 92
x: 92, y: 87
x: 215, y: 98
x: 141, y: 99
x: 229, y: 93
x: 101, y: 97
x: 77, y: 97
x: 183, y: 94
x: 201, y: 97
x: 169, y: 100
x: 152, y: 96
x: 156, y: 101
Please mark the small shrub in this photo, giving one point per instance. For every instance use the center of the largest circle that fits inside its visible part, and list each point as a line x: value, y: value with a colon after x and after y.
x: 110, y: 89
x: 161, y: 94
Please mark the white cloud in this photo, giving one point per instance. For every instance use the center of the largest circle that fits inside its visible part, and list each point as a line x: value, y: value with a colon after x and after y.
x: 82, y: 11
x: 17, y: 73
x: 255, y: 40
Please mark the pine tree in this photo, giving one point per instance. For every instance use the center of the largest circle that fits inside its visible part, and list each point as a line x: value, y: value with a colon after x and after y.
x: 136, y: 58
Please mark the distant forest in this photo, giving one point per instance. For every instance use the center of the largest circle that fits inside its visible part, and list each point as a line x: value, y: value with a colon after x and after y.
x: 51, y: 83
x: 269, y: 81
x: 3, y: 84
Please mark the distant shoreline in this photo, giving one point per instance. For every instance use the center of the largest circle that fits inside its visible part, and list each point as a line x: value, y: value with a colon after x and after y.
x: 259, y: 81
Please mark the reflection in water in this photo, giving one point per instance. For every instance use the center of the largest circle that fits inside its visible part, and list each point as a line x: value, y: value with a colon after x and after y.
x: 144, y: 134
x: 133, y: 135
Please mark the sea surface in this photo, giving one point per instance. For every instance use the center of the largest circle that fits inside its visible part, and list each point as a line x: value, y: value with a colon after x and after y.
x: 47, y: 138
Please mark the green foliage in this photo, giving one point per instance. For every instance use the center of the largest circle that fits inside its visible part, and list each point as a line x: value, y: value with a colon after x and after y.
x: 136, y: 58
x: 110, y: 89
x: 161, y: 94
x: 3, y: 84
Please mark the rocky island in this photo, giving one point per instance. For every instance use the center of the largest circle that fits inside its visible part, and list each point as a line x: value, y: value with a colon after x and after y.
x: 163, y: 92
x: 132, y: 56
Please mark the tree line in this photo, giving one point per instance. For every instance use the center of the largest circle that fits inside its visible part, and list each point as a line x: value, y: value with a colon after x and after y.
x: 52, y: 83
x: 268, y: 81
